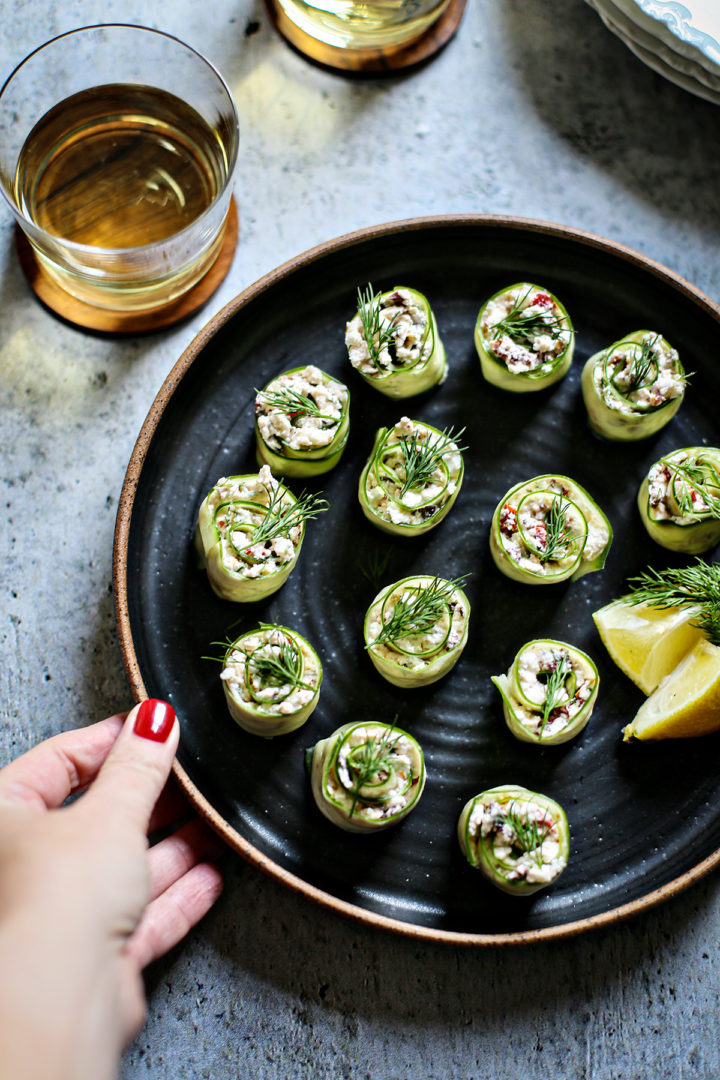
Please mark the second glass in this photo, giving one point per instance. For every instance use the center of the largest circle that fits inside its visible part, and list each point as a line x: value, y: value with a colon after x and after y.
x: 117, y: 150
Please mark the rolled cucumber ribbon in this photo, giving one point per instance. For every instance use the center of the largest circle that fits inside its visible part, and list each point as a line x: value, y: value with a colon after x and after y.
x: 412, y: 477
x: 549, y: 529
x: 549, y: 692
x: 416, y: 629
x: 302, y: 421
x: 393, y: 342
x: 518, y: 839
x: 679, y: 500
x: 271, y: 678
x: 634, y: 387
x: 249, y: 533
x: 366, y: 776
x: 524, y: 338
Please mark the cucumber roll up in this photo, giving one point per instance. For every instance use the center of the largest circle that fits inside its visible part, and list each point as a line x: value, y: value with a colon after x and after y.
x: 633, y: 388
x: 366, y: 776
x: 549, y: 692
x: 518, y: 839
x: 549, y: 529
x: 302, y: 420
x: 249, y: 533
x: 393, y: 342
x: 412, y: 477
x: 271, y: 678
x: 416, y: 629
x: 679, y: 500
x: 524, y: 338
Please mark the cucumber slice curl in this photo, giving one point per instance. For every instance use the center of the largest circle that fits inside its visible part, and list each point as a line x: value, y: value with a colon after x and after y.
x: 302, y: 422
x: 633, y: 388
x: 388, y: 497
x: 393, y: 342
x: 549, y: 529
x: 524, y: 338
x: 412, y: 651
x: 271, y: 679
x: 518, y: 839
x: 679, y: 500
x: 234, y: 512
x: 366, y: 776
x: 549, y: 692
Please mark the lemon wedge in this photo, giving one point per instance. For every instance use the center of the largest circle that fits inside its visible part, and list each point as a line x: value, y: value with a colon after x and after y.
x: 686, y: 703
x: 645, y: 642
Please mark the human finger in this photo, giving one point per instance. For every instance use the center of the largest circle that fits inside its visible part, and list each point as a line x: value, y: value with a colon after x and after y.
x: 135, y: 772
x: 171, y: 809
x: 171, y: 915
x: 46, y: 775
x: 171, y: 858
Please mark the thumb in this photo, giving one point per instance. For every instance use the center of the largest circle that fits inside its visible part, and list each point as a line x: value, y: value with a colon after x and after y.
x: 136, y: 769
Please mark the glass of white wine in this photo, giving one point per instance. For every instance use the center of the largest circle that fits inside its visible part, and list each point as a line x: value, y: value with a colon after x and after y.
x: 359, y: 24
x: 117, y: 150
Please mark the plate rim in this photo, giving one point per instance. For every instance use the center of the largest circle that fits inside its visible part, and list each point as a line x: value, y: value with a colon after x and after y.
x: 126, y: 501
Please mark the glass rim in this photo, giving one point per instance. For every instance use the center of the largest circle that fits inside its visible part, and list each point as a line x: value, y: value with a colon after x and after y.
x: 74, y: 245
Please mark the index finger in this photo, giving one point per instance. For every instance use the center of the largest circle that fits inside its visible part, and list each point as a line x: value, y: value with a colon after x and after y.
x: 44, y: 777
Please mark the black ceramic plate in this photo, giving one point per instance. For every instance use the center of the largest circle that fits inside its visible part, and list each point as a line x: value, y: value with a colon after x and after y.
x: 645, y: 819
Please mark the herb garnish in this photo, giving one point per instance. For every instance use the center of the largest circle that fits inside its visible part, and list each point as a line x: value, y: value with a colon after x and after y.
x: 377, y: 332
x: 640, y: 364
x: 695, y: 586
x: 524, y: 323
x: 554, y: 686
x: 375, y: 565
x: 373, y: 759
x: 529, y: 833
x: 558, y: 540
x: 698, y: 478
x: 281, y: 517
x: 418, y: 609
x: 292, y: 403
x: 421, y: 457
x: 277, y: 663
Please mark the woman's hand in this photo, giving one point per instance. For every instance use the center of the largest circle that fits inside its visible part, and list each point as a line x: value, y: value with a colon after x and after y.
x: 84, y: 905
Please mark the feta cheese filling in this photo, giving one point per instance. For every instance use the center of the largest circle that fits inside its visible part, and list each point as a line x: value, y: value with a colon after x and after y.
x: 253, y: 687
x: 522, y: 839
x: 386, y: 484
x: 301, y: 410
x: 407, y: 343
x: 639, y: 376
x: 525, y: 329
x: 526, y: 536
x: 684, y: 487
x: 392, y: 781
x: 239, y: 506
x: 530, y: 674
x: 417, y: 650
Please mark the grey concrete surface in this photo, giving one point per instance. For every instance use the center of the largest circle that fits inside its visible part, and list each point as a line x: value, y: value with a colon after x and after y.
x: 533, y: 110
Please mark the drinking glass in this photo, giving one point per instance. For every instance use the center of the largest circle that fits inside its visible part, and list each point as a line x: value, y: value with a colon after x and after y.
x: 117, y: 150
x: 362, y: 24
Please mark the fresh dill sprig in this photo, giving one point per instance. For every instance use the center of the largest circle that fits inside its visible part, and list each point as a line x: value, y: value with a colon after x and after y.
x: 279, y: 665
x: 557, y: 538
x: 281, y: 517
x: 421, y: 457
x: 292, y: 403
x: 524, y: 323
x: 374, y: 566
x: 378, y: 332
x: 698, y: 478
x: 529, y: 833
x: 696, y: 586
x: 420, y: 612
x: 640, y: 364
x: 553, y: 687
x: 374, y: 758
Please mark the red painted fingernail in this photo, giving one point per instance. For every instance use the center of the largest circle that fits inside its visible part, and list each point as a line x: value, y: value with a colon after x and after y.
x: 154, y: 720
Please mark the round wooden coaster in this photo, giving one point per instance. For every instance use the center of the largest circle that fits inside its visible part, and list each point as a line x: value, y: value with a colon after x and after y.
x: 127, y: 322
x: 371, y: 61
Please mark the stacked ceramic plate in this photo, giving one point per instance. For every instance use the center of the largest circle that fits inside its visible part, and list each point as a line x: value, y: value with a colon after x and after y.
x: 680, y: 39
